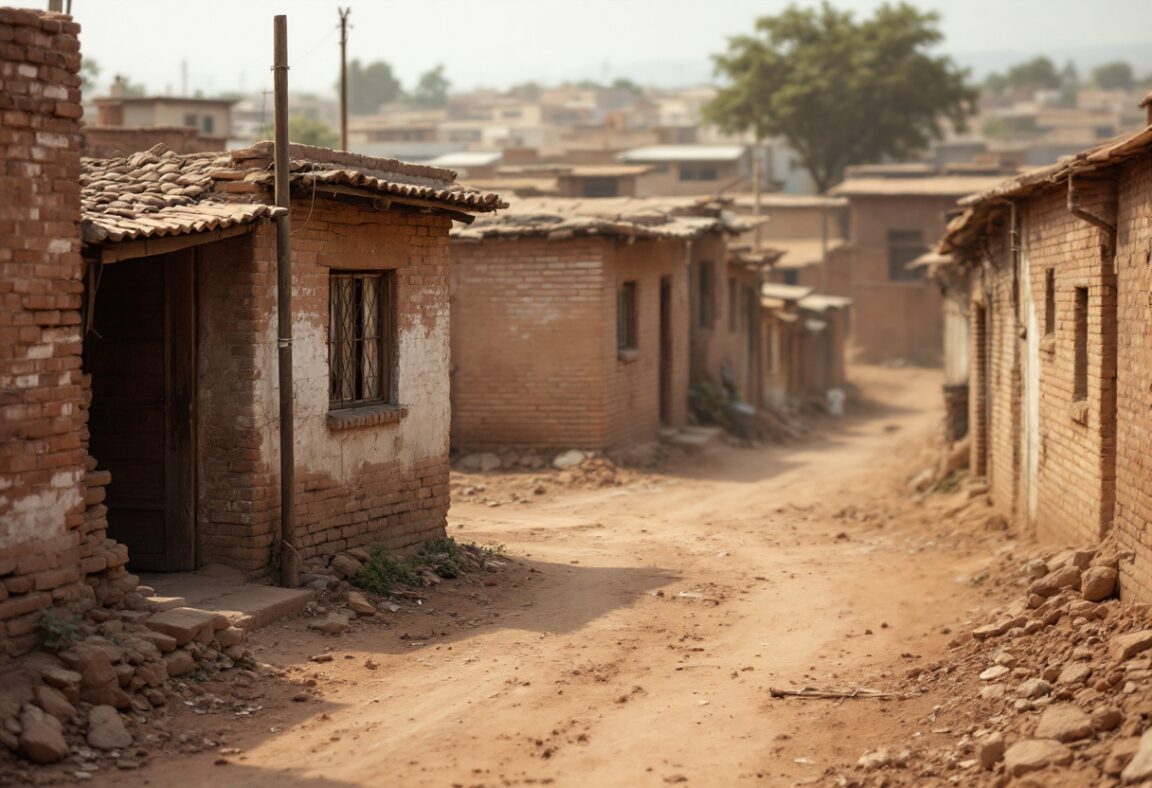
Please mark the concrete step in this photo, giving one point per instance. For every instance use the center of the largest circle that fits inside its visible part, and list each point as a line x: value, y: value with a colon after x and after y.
x: 223, y: 591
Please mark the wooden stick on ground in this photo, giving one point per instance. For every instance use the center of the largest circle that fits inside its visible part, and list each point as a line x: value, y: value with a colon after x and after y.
x: 813, y: 692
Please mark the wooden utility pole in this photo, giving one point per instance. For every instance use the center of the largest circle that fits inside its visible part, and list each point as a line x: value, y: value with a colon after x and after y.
x: 344, y: 77
x: 289, y: 558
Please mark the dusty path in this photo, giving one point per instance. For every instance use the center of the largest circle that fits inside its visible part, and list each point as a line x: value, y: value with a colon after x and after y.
x: 638, y: 644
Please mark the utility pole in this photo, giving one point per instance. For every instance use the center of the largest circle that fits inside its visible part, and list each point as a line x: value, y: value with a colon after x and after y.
x: 289, y: 558
x: 344, y: 77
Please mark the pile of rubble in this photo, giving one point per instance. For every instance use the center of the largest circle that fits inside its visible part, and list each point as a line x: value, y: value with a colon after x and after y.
x: 85, y: 702
x: 1054, y: 688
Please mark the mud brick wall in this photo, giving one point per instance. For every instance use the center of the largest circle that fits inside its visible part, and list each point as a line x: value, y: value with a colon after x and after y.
x: 531, y: 323
x: 108, y: 141
x: 632, y: 387
x: 51, y: 520
x: 1133, y: 511
x: 893, y: 319
x: 1075, y: 482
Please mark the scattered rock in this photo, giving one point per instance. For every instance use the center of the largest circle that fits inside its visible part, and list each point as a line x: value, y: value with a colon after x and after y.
x: 1098, y: 583
x: 1074, y: 673
x: 53, y: 701
x: 994, y: 672
x: 106, y: 729
x: 991, y: 750
x: 1120, y: 756
x: 1064, y: 723
x: 41, y: 738
x: 1107, y: 719
x: 231, y: 636
x: 359, y: 605
x: 185, y: 625
x: 332, y: 624
x: 1032, y: 755
x: 877, y: 759
x: 568, y: 459
x: 179, y: 663
x: 1034, y: 688
x: 1127, y: 646
x: 1140, y: 767
x: 345, y: 566
x: 1056, y: 580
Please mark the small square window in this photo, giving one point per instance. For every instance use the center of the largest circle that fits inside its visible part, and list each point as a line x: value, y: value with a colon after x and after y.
x: 361, y: 345
x: 626, y: 317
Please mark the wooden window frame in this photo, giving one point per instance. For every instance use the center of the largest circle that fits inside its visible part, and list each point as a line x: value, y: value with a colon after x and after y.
x: 361, y: 345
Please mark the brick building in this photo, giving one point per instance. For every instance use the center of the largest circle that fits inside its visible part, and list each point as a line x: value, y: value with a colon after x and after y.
x: 804, y: 340
x: 572, y: 321
x: 138, y: 414
x: 1057, y: 266
x: 894, y: 215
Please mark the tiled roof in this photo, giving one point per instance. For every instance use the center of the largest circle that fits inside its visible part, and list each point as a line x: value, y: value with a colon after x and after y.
x: 157, y: 192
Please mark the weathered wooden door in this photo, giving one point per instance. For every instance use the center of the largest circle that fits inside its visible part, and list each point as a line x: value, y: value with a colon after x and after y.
x: 142, y: 354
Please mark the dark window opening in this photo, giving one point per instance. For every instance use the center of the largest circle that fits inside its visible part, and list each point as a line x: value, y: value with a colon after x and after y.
x: 361, y: 348
x: 626, y: 322
x: 191, y: 120
x: 1050, y: 302
x: 698, y: 172
x: 791, y: 277
x: 707, y: 295
x: 599, y: 187
x: 209, y: 124
x: 904, y: 246
x: 1080, y: 356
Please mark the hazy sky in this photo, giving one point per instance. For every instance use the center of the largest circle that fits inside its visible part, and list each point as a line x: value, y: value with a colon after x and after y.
x: 227, y: 45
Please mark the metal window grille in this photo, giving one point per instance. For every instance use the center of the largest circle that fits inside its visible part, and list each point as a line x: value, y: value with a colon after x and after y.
x: 361, y: 321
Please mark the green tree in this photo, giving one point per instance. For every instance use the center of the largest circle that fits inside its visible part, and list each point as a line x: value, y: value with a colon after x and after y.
x: 370, y: 86
x: 1039, y: 73
x: 127, y: 87
x: 841, y: 91
x: 306, y: 130
x: 623, y: 83
x: 1114, y: 75
x: 432, y: 89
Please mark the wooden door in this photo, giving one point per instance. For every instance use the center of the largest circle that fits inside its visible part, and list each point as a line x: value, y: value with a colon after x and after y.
x: 142, y: 354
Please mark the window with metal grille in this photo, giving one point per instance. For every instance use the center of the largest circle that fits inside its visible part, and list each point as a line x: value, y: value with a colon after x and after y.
x: 361, y: 348
x: 904, y: 246
x: 626, y: 317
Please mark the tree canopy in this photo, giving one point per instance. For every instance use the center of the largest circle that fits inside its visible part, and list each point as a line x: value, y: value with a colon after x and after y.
x: 841, y: 91
x: 1111, y: 76
x: 432, y: 88
x: 306, y: 130
x: 371, y: 85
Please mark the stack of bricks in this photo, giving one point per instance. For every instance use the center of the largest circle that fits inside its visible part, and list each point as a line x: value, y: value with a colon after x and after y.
x: 42, y: 457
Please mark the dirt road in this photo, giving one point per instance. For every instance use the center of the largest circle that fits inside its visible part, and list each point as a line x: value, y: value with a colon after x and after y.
x: 637, y: 639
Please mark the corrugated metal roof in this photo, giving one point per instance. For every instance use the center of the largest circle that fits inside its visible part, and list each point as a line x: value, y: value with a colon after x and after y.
x: 668, y: 153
